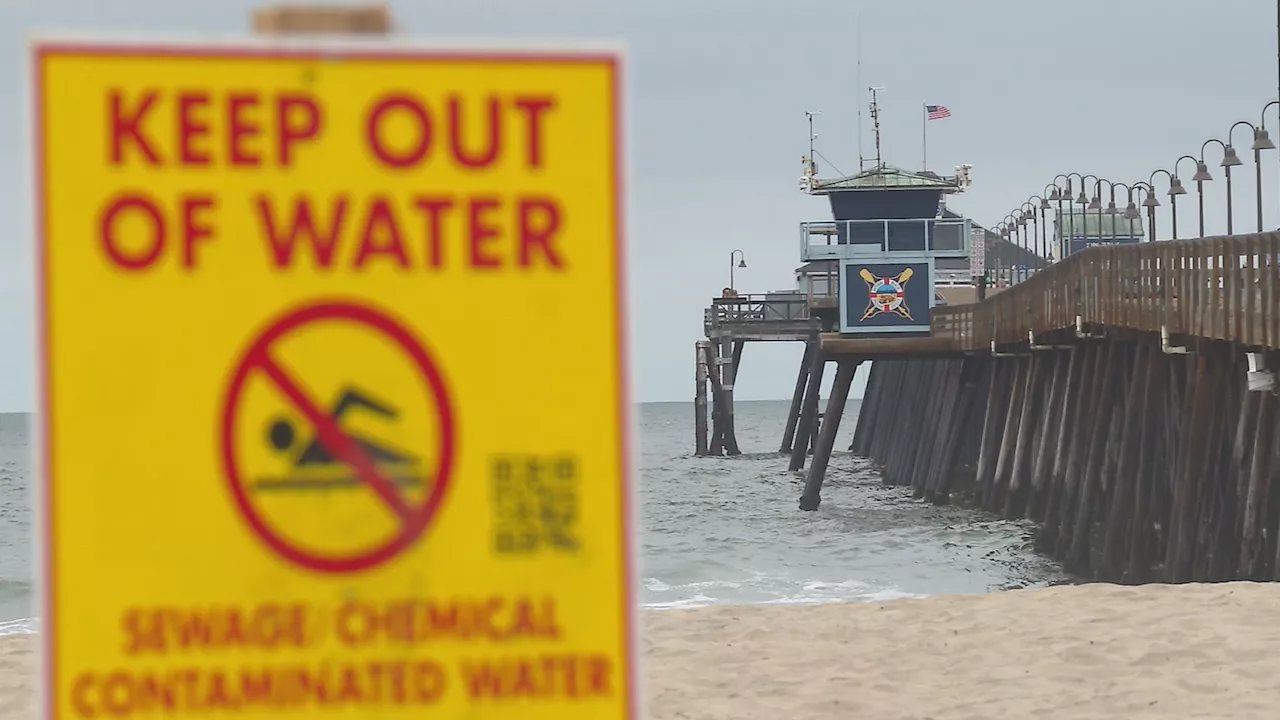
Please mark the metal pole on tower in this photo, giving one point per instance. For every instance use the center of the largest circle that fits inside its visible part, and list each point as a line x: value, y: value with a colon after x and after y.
x: 924, y: 135
x: 859, y: 101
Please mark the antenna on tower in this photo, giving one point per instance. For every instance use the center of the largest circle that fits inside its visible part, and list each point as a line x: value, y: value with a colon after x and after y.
x: 810, y: 163
x: 875, y: 118
x: 813, y: 164
x: 859, y: 101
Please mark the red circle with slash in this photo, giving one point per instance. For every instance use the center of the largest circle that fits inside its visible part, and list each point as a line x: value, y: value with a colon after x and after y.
x: 414, y: 517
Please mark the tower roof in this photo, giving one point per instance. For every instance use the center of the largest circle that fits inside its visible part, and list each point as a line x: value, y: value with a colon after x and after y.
x: 888, y: 178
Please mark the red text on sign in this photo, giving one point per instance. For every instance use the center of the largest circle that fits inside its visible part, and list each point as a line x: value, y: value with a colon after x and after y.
x: 168, y: 629
x: 423, y: 231
x: 196, y: 128
x: 546, y: 676
x: 134, y: 229
x: 514, y: 124
x: 412, y: 621
x: 373, y: 684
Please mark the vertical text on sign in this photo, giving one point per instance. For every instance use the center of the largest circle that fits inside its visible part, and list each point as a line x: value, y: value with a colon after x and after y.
x: 427, y: 229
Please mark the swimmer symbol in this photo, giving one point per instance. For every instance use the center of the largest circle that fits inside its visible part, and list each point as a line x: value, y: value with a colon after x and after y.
x: 315, y: 455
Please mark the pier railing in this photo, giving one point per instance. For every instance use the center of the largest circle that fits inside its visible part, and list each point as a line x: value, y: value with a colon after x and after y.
x: 834, y: 239
x: 780, y: 316
x: 1223, y: 288
x: 758, y: 308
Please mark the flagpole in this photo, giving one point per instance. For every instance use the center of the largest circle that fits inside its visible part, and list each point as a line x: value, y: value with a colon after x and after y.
x: 924, y: 134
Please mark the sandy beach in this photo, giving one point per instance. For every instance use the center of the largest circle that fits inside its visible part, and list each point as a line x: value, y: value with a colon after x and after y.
x: 1096, y: 651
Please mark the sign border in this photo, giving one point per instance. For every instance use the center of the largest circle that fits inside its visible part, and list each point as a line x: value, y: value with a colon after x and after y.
x: 41, y: 46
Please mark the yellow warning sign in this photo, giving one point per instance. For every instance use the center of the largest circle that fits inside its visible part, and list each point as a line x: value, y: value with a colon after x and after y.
x: 333, y: 397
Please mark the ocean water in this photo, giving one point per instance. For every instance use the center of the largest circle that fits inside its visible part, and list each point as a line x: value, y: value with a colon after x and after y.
x: 713, y: 530
x: 15, y: 524
x: 729, y: 530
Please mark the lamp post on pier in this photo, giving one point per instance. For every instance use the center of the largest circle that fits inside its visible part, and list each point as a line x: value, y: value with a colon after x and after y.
x: 1203, y: 176
x: 1095, y: 203
x: 1265, y: 139
x: 1059, y: 195
x: 1199, y: 165
x: 1011, y: 237
x: 742, y: 263
x: 1002, y: 229
x: 1175, y: 189
x: 1084, y: 202
x: 1038, y: 202
x: 1130, y: 212
x: 1150, y: 203
x: 1261, y: 141
x: 1025, y: 238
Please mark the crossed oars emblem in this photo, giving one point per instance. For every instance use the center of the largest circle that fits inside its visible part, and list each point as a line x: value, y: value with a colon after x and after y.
x: 885, y: 294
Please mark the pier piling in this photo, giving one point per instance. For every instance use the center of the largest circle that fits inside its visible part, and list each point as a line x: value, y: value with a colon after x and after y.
x: 1138, y: 464
x: 797, y: 397
x: 700, y: 398
x: 808, y: 409
x: 845, y: 370
x: 730, y: 355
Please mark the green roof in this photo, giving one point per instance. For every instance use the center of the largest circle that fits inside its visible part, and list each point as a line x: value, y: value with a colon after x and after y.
x: 887, y: 177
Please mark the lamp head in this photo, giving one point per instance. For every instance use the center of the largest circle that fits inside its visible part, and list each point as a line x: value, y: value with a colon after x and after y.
x: 1262, y: 140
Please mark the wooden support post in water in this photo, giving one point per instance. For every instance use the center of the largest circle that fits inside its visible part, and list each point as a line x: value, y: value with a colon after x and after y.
x: 1098, y: 432
x: 879, y: 435
x: 817, y: 424
x: 797, y: 397
x: 1042, y: 466
x: 1260, y: 481
x: 992, y: 424
x: 926, y: 474
x: 1055, y: 536
x: 1030, y: 417
x: 1149, y: 439
x: 865, y: 410
x: 1182, y: 531
x: 812, y: 496
x: 700, y: 398
x: 1120, y: 520
x: 809, y: 409
x: 717, y: 400
x: 968, y: 385
x: 1012, y: 412
x: 729, y: 355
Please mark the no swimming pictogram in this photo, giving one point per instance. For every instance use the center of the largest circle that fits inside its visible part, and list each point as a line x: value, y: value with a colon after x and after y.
x: 285, y: 466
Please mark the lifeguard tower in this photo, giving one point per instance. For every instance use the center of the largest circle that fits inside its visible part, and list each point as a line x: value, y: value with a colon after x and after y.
x: 887, y: 238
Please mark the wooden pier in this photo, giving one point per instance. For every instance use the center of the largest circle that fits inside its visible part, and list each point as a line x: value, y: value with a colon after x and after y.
x: 1125, y: 399
x: 730, y: 323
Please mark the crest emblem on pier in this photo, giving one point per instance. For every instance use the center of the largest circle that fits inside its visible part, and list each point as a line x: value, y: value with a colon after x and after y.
x: 886, y: 294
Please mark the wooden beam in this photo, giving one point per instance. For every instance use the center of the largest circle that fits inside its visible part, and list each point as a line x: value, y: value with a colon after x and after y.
x: 812, y: 496
x: 320, y: 19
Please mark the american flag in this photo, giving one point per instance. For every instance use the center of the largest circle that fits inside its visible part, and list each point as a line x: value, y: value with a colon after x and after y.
x: 937, y: 112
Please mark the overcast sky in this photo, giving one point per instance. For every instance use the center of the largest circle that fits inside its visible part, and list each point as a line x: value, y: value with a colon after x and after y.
x: 717, y: 126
